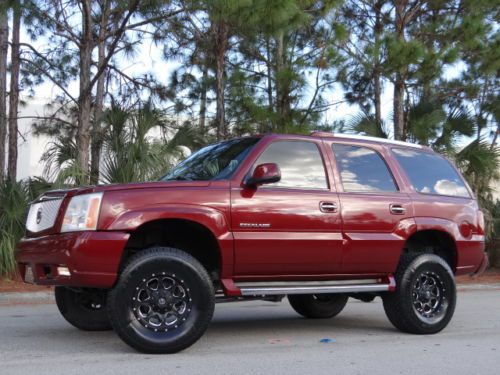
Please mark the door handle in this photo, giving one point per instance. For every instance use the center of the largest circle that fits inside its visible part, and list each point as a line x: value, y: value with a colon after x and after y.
x: 327, y: 207
x: 397, y: 209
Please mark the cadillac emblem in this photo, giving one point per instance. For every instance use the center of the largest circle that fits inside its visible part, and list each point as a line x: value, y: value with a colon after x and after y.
x: 39, y: 215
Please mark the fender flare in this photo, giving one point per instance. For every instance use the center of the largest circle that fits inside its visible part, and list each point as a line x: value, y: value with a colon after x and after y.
x: 212, y: 219
x: 439, y: 224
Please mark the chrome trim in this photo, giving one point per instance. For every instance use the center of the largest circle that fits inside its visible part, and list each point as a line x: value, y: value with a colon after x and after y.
x: 327, y: 207
x: 42, y: 214
x: 397, y: 209
x: 313, y: 287
x: 365, y: 138
x: 255, y: 225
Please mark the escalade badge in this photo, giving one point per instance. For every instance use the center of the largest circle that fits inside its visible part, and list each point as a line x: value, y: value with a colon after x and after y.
x: 39, y: 215
x: 255, y: 225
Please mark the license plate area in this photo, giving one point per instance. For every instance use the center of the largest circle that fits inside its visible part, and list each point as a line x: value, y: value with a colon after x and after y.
x: 29, y: 277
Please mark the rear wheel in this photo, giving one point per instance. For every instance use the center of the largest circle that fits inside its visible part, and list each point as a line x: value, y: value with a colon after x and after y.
x: 83, y: 308
x: 318, y: 306
x: 163, y: 302
x: 425, y: 296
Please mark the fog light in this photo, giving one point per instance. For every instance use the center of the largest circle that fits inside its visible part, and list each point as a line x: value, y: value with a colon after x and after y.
x: 63, y: 271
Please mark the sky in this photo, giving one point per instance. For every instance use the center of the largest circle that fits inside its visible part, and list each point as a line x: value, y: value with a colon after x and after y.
x: 149, y: 59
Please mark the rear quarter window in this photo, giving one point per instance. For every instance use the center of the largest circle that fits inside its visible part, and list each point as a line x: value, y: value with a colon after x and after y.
x: 431, y: 173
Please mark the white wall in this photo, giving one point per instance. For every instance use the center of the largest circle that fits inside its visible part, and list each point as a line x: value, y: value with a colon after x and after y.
x: 30, y: 148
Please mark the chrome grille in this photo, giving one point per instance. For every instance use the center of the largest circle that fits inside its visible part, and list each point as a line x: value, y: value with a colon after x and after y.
x: 42, y: 214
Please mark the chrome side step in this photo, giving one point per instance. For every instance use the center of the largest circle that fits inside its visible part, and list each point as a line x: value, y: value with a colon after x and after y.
x: 316, y: 287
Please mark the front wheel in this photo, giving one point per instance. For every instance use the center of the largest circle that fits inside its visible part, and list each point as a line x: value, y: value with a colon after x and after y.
x: 83, y: 308
x: 163, y: 301
x: 318, y: 306
x: 425, y: 296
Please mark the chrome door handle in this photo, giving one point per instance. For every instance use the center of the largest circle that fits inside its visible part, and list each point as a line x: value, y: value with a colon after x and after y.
x: 327, y: 207
x: 397, y: 209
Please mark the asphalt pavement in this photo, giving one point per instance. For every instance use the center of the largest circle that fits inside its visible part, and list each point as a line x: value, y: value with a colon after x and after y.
x: 263, y: 338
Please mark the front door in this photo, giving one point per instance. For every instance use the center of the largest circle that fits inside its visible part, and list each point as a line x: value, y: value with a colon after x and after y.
x: 292, y: 227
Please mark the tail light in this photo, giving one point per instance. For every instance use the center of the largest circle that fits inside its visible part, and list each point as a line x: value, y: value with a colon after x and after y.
x: 480, y: 222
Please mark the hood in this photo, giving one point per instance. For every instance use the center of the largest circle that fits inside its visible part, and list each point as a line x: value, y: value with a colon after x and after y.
x: 129, y: 186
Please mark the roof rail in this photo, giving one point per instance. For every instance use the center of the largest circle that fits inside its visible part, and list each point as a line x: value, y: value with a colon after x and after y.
x: 364, y: 138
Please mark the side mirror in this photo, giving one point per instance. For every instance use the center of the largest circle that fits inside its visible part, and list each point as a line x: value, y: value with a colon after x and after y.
x: 267, y: 173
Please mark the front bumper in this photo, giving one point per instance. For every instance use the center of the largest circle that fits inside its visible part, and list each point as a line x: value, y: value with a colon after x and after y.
x: 92, y: 258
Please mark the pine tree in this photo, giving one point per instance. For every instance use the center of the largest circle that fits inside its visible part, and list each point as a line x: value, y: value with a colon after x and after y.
x: 285, y: 53
x: 4, y: 46
x: 14, y: 90
x: 74, y: 32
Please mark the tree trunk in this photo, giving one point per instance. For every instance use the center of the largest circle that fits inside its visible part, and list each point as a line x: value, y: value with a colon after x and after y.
x: 378, y: 28
x: 97, y: 131
x: 281, y: 124
x: 85, y: 99
x: 399, y: 117
x: 399, y: 82
x: 14, y: 94
x: 495, y: 137
x: 203, y: 98
x: 269, y: 88
x: 222, y: 34
x: 4, y: 46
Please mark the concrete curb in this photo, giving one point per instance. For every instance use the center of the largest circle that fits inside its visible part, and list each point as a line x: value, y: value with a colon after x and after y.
x: 489, y: 286
x: 28, y: 297
x: 48, y: 296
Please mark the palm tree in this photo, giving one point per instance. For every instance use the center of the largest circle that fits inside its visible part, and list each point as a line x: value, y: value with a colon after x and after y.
x: 140, y: 145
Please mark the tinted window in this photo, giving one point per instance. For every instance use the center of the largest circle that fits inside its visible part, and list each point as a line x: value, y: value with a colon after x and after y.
x: 300, y: 163
x: 362, y: 169
x: 214, y: 162
x: 431, y: 173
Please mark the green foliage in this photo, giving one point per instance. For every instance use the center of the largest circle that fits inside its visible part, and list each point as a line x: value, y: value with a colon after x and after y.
x: 14, y: 201
x: 480, y: 165
x: 366, y: 124
x: 132, y: 153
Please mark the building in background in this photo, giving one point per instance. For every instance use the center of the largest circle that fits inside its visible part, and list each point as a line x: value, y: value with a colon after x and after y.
x: 30, y: 147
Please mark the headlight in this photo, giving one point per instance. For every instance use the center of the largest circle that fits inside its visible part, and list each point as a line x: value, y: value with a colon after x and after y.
x: 82, y: 213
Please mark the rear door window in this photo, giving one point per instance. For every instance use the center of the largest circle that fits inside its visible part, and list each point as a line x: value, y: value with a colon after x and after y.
x: 431, y: 173
x: 363, y: 169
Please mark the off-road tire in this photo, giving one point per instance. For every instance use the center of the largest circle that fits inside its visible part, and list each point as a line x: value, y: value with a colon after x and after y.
x: 318, y: 306
x: 402, y: 306
x: 170, y: 318
x: 83, y: 308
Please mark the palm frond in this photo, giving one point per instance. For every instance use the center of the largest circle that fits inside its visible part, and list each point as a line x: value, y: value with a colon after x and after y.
x: 366, y: 124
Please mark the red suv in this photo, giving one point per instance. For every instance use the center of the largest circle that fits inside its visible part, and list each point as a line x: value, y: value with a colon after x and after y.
x: 317, y: 218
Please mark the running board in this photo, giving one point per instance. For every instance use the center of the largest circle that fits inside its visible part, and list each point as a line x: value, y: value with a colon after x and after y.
x: 316, y: 287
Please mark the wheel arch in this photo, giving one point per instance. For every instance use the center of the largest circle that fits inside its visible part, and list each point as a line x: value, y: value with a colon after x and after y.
x: 203, y: 239
x: 433, y: 241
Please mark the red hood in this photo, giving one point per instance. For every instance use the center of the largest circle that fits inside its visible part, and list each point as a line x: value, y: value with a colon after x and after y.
x: 130, y: 186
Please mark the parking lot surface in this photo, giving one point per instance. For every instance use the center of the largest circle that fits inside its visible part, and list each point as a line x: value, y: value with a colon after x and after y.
x: 264, y: 338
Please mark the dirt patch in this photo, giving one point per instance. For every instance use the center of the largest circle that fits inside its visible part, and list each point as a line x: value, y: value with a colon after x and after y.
x: 490, y: 276
x: 10, y: 286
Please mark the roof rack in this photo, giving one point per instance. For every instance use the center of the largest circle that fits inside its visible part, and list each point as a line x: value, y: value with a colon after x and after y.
x: 364, y: 138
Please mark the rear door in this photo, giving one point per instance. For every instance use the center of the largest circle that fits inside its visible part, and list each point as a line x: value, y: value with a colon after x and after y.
x: 374, y: 209
x: 291, y: 227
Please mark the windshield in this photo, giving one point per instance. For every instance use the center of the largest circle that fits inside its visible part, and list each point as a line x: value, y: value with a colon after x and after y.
x: 214, y: 162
